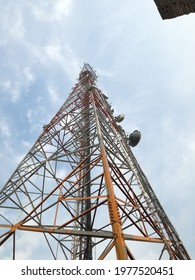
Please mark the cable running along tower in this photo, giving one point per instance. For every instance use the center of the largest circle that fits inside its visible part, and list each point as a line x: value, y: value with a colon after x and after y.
x: 80, y: 192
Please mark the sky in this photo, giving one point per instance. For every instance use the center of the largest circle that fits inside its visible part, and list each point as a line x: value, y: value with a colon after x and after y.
x: 144, y: 64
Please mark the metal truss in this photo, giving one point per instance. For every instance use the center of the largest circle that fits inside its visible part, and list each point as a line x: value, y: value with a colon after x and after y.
x: 81, y: 191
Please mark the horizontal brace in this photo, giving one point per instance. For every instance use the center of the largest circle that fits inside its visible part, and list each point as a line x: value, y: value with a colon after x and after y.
x: 84, y: 198
x: 6, y: 226
x: 100, y: 234
x: 71, y: 152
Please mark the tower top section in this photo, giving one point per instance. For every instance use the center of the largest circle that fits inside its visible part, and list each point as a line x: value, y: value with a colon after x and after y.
x: 87, y: 74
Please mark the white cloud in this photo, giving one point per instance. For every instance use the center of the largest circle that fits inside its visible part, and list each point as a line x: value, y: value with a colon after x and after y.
x: 15, y: 92
x: 12, y: 27
x: 5, y: 85
x: 17, y: 31
x: 18, y: 80
x: 30, y: 47
x: 29, y: 75
x: 5, y: 131
x: 62, y: 8
x: 54, y: 52
x: 105, y: 73
x: 53, y: 94
x: 27, y: 242
x: 61, y: 53
x: 52, y: 10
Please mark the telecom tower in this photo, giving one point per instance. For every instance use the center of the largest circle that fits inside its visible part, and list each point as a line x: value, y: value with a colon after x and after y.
x: 80, y: 191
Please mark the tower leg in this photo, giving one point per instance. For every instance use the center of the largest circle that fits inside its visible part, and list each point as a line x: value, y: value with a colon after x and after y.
x: 120, y: 246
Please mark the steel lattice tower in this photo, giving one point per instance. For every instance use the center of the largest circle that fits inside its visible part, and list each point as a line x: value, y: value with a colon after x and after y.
x: 81, y: 190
